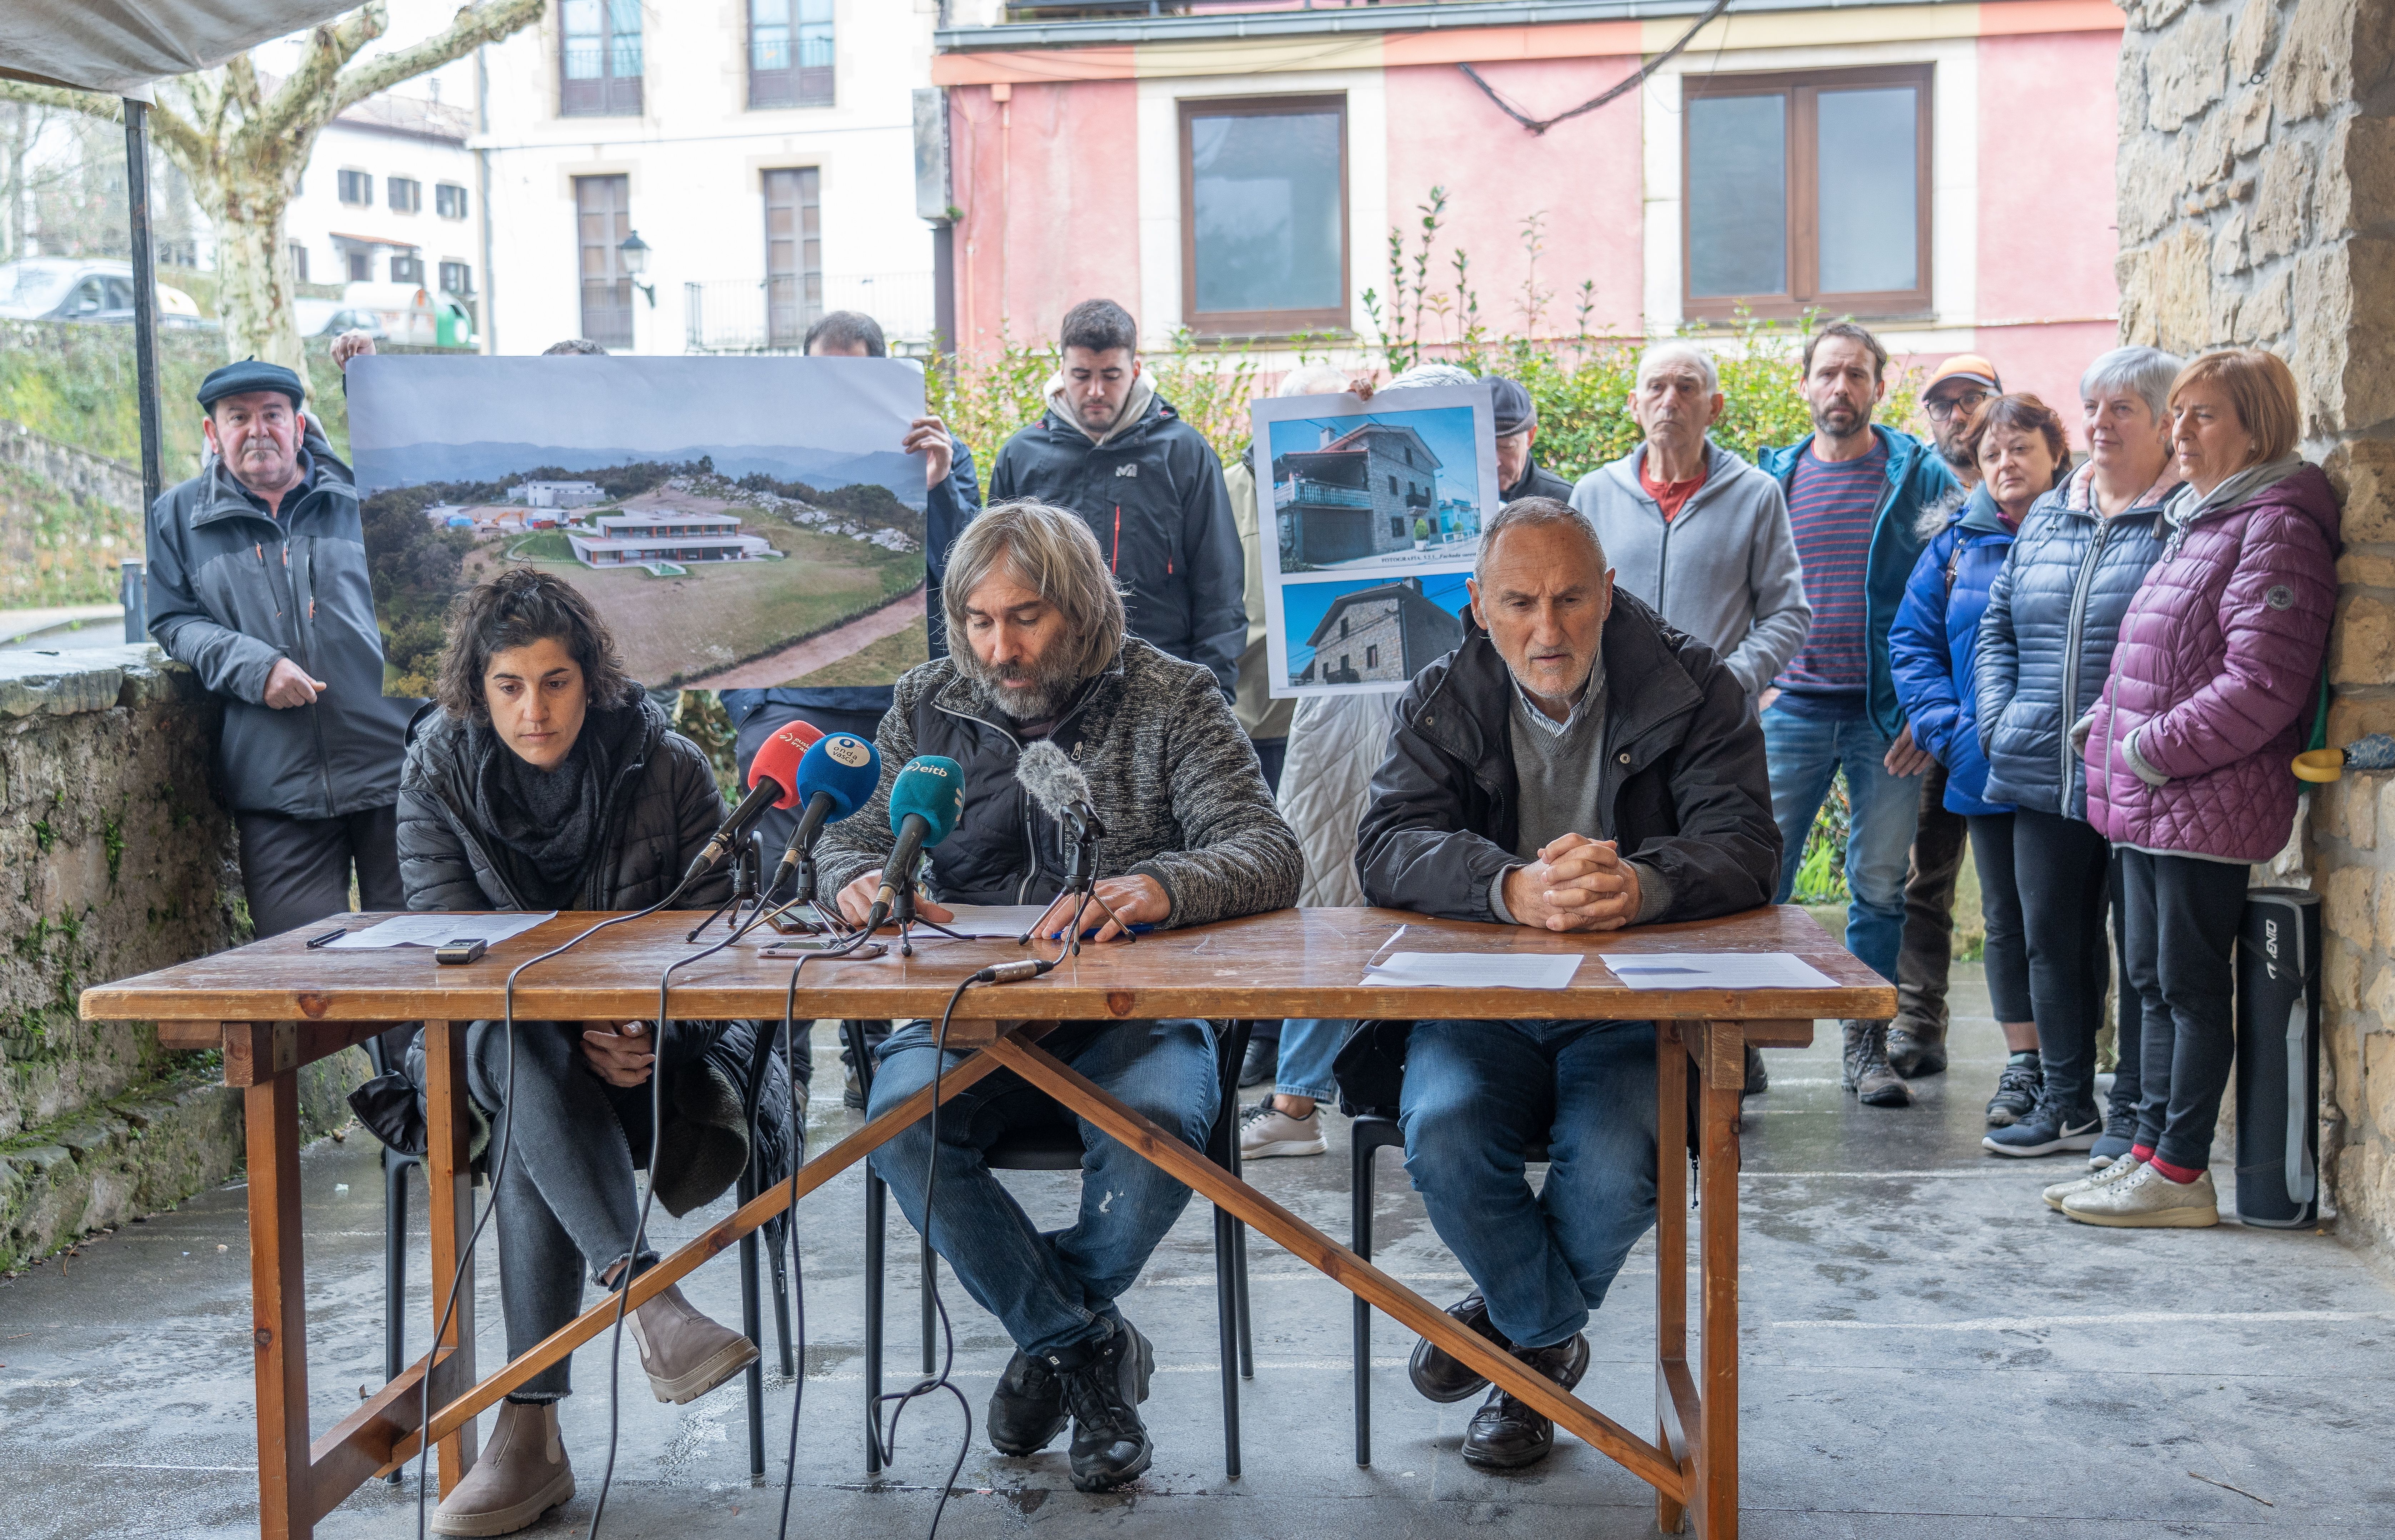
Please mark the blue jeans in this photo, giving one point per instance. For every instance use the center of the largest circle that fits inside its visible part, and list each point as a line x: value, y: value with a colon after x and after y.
x: 1050, y: 1289
x: 1478, y: 1096
x: 1804, y: 753
x: 1308, y: 1047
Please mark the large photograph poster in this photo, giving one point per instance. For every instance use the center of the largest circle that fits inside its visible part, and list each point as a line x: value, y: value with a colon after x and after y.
x: 739, y: 522
x: 1371, y: 516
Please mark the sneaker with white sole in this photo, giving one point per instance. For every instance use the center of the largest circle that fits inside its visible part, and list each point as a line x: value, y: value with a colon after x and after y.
x: 2049, y: 1130
x: 1266, y: 1131
x: 2105, y: 1175
x: 2147, y: 1199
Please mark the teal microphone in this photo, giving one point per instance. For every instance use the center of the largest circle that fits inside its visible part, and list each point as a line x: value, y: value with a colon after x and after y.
x: 925, y: 801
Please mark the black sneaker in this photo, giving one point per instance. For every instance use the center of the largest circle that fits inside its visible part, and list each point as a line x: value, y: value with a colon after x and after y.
x: 1262, y: 1063
x: 1105, y: 1381
x: 2048, y: 1130
x: 1027, y: 1411
x: 2120, y: 1135
x: 2017, y: 1089
x: 1505, y: 1434
x: 1437, y: 1373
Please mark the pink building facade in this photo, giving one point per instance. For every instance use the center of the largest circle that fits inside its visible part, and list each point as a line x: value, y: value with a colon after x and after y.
x: 1942, y: 171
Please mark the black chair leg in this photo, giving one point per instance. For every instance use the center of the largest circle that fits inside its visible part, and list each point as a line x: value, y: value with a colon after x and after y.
x: 1226, y: 1310
x: 782, y: 1306
x: 394, y: 1269
x: 1359, y: 1190
x: 1240, y: 1277
x: 930, y: 1317
x: 876, y: 1217
x: 752, y: 1325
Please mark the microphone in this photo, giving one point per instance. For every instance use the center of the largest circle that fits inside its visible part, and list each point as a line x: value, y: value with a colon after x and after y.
x: 925, y: 801
x: 773, y: 782
x: 1053, y: 782
x: 836, y: 776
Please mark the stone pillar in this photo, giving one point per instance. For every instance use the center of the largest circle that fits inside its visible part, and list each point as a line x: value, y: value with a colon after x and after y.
x: 2257, y: 176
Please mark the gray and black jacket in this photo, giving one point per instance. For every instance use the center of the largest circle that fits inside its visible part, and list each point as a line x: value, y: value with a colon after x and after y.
x: 231, y: 589
x: 1175, y: 780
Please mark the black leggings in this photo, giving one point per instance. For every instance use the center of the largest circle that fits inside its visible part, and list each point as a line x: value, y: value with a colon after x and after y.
x: 2179, y: 917
x: 2062, y: 867
x: 2000, y: 906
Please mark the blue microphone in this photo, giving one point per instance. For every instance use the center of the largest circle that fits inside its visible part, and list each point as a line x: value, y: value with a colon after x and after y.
x: 836, y: 776
x: 925, y: 801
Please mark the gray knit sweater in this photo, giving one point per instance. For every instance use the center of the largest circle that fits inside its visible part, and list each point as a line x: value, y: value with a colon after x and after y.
x: 1173, y: 777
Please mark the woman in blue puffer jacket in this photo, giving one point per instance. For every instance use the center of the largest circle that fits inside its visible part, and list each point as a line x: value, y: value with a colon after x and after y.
x: 1933, y: 646
x: 2045, y: 645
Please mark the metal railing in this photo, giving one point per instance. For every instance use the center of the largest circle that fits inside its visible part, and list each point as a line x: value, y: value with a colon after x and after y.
x: 1318, y: 495
x: 756, y: 315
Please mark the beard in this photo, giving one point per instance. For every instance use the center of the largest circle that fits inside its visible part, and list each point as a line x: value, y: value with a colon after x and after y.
x: 1034, y: 691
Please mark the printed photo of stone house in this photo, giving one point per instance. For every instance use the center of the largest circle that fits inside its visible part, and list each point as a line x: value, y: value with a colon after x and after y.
x: 1379, y: 634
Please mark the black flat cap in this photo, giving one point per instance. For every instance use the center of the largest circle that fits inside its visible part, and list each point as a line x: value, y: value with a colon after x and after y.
x: 1510, y: 406
x: 247, y: 375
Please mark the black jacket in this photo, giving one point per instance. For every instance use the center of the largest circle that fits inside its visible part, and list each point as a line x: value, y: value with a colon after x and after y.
x: 1537, y: 482
x: 1153, y: 495
x: 660, y: 807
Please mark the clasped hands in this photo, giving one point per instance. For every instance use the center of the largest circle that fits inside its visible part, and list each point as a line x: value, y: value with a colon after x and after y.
x: 1134, y: 900
x: 1576, y: 884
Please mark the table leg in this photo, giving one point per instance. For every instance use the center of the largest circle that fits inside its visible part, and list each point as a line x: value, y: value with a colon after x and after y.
x: 1675, y: 1392
x: 448, y: 1182
x: 278, y: 1301
x: 1715, y: 1486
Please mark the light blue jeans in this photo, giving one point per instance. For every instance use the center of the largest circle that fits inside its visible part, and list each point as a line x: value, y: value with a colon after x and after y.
x: 1049, y: 1289
x: 1308, y: 1047
x: 1478, y: 1096
x: 1804, y: 754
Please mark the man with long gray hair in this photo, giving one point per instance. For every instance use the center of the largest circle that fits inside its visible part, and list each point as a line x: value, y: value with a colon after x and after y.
x: 1041, y: 655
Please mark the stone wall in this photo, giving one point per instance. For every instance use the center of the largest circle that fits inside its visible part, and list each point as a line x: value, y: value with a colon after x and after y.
x: 2256, y: 176
x: 116, y: 857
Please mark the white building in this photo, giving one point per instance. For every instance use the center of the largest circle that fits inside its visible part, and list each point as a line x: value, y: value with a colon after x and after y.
x: 762, y: 150
x: 389, y: 197
x: 562, y: 494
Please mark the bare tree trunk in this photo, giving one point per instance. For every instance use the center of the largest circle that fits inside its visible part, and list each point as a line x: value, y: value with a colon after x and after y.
x: 252, y: 295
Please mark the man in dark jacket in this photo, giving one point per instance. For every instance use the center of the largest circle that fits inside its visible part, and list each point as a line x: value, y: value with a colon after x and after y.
x: 257, y: 580
x: 1190, y: 836
x: 1514, y: 418
x: 1578, y: 766
x: 1145, y: 483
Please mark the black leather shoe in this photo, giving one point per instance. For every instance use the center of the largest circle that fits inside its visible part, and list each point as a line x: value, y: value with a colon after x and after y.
x: 1027, y: 1411
x: 1505, y: 1434
x: 1437, y: 1373
x: 1758, y: 1079
x: 1103, y: 1389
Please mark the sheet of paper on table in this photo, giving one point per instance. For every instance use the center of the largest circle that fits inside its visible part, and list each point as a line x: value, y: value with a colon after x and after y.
x: 1718, y: 971
x: 1474, y: 971
x: 433, y: 930
x: 993, y: 922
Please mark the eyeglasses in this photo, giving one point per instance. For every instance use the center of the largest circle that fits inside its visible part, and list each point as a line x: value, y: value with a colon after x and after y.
x: 1941, y: 407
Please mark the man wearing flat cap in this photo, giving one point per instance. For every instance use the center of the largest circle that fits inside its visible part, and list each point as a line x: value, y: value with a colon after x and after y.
x: 1515, y: 418
x: 257, y: 580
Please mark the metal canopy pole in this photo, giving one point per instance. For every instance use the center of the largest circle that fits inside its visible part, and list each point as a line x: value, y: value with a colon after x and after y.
x: 145, y: 339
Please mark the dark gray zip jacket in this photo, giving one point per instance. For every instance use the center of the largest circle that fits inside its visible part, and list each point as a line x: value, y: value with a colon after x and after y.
x: 231, y: 589
x: 661, y: 805
x: 1153, y: 495
x: 1173, y: 777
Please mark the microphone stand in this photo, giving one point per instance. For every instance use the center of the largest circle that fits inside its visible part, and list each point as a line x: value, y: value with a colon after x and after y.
x: 1083, y: 882
x: 746, y: 861
x: 902, y: 914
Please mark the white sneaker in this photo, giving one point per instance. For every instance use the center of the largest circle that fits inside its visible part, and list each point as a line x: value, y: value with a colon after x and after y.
x: 1266, y: 1130
x: 2147, y: 1199
x: 2104, y: 1176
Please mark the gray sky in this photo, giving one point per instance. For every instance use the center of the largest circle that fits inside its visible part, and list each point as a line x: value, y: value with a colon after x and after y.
x: 856, y: 405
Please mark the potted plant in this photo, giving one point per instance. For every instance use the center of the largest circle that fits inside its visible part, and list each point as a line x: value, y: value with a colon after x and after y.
x: 1422, y: 534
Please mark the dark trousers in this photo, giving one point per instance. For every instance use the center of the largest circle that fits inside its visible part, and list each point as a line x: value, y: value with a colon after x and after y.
x: 1930, y: 873
x: 1272, y: 753
x: 296, y: 870
x: 2178, y: 922
x: 2000, y: 906
x: 2062, y: 865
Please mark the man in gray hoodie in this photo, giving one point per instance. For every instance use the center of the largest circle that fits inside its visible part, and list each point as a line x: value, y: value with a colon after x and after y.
x: 1695, y: 531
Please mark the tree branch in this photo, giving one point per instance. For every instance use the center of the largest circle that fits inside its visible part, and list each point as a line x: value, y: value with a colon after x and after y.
x: 173, y: 133
x: 302, y: 97
x: 488, y: 21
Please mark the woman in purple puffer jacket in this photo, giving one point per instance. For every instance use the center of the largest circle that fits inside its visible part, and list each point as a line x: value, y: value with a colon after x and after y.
x: 2212, y: 685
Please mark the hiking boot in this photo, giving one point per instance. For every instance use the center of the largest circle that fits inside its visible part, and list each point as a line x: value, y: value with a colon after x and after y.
x: 1266, y: 1130
x: 2147, y: 1199
x: 1758, y: 1079
x: 2017, y: 1089
x: 1917, y: 1048
x: 1866, y: 1072
x: 1261, y: 1063
x: 522, y: 1475
x: 2048, y: 1130
x: 686, y: 1355
x: 1104, y: 1382
x: 1439, y: 1374
x: 1027, y: 1411
x: 2112, y: 1171
x: 2119, y: 1136
x: 1506, y: 1434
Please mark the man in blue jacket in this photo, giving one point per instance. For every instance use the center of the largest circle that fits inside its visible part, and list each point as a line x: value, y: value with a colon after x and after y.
x: 1855, y: 492
x: 257, y: 580
x: 1147, y: 484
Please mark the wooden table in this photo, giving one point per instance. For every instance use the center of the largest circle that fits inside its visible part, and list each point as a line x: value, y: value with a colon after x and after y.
x: 274, y: 1006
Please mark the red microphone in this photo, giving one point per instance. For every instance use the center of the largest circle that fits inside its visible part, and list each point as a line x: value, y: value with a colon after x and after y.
x: 773, y: 782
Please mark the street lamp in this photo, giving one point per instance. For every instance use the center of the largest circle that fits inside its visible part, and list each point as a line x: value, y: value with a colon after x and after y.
x: 633, y: 253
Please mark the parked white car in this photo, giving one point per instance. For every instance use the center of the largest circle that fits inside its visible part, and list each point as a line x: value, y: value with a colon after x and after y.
x: 88, y: 289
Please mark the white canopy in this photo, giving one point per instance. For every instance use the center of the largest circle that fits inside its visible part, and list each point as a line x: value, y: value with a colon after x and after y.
x: 119, y: 47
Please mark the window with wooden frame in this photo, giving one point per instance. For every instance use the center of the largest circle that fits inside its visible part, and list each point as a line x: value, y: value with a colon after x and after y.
x: 599, y: 59
x: 1264, y: 215
x: 1805, y: 192
x: 793, y: 253
x: 603, y: 208
x: 790, y: 56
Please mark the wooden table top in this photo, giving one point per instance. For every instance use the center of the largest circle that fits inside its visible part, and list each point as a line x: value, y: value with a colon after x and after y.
x: 1292, y: 963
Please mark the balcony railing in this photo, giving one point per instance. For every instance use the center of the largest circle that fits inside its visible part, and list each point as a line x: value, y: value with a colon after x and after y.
x: 760, y: 315
x: 1318, y: 495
